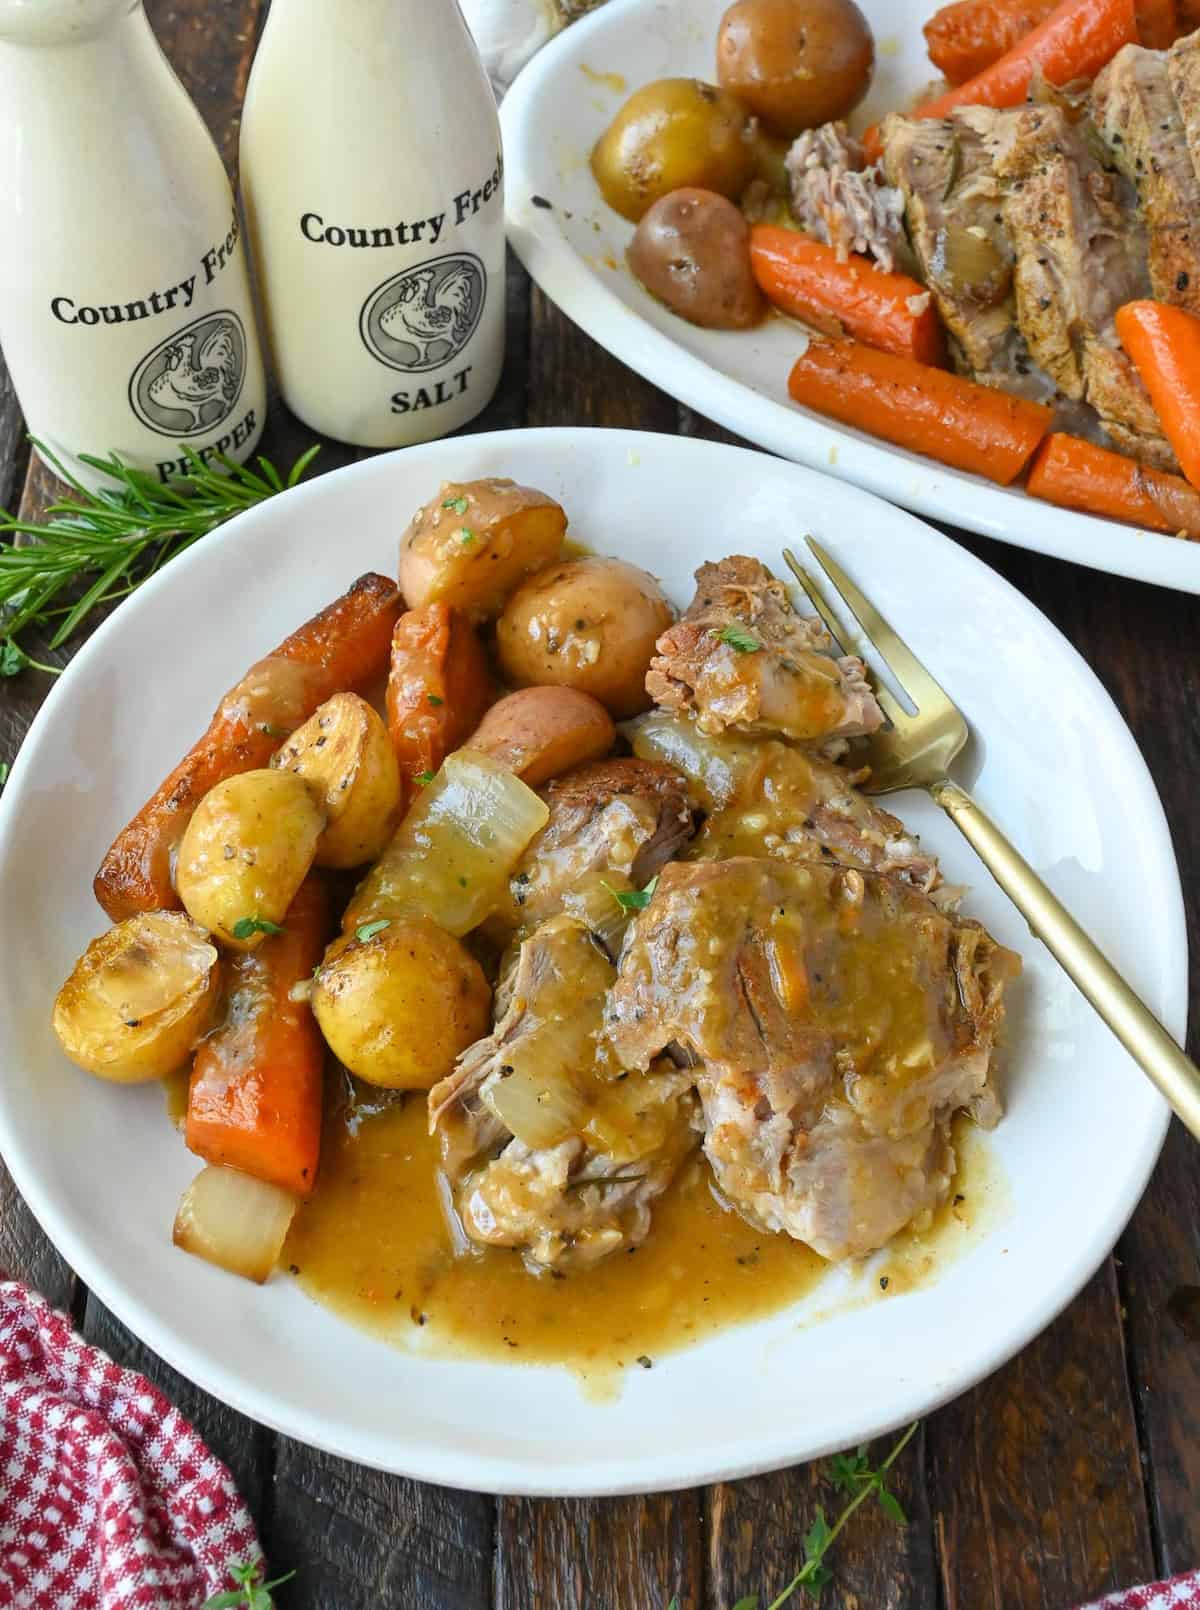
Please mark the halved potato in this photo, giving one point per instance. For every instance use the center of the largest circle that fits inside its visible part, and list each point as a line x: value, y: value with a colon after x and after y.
x: 344, y: 754
x: 471, y: 544
x: 539, y: 732
x: 140, y: 997
x: 398, y: 1000
x: 245, y: 853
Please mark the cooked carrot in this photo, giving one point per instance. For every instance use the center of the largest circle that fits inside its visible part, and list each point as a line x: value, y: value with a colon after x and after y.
x: 1078, y: 475
x: 254, y: 1101
x: 344, y: 648
x: 803, y: 277
x: 927, y: 410
x: 1164, y: 343
x: 1076, y: 40
x: 438, y: 687
x: 966, y: 37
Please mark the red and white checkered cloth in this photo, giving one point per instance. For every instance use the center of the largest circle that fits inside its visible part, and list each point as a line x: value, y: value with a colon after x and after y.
x: 1177, y: 1593
x: 108, y: 1498
x: 110, y: 1501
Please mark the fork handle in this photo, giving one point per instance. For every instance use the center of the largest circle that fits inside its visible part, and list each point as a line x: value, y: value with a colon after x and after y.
x: 1130, y: 1019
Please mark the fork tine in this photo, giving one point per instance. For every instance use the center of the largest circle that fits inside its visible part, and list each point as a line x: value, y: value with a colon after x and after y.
x: 892, y: 649
x: 815, y: 597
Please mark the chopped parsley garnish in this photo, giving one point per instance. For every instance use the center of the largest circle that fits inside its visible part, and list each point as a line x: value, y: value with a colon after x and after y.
x: 247, y: 927
x: 738, y: 638
x: 633, y: 899
x: 466, y: 535
x: 455, y: 505
x: 433, y: 699
x: 270, y: 730
x: 370, y: 929
x: 423, y: 777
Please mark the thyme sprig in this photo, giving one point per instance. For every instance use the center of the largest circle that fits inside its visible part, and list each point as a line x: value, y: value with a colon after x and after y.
x: 114, y: 538
x: 251, y: 1592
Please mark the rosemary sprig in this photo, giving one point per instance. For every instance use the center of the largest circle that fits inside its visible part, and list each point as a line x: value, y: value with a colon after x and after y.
x: 848, y: 1473
x: 115, y: 538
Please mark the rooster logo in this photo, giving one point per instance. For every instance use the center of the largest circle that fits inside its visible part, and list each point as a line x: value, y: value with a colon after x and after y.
x: 191, y: 381
x: 424, y: 317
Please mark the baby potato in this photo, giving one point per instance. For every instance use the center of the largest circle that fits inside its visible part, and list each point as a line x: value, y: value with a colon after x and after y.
x: 692, y: 251
x: 140, y: 997
x: 539, y: 732
x: 246, y: 851
x: 398, y: 1004
x: 796, y: 63
x: 470, y: 545
x: 344, y: 754
x: 589, y: 624
x: 674, y: 132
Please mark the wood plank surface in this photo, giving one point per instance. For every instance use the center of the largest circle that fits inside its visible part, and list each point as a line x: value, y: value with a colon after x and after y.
x: 1074, y: 1469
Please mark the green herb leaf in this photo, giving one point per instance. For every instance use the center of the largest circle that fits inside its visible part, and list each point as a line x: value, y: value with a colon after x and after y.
x: 466, y: 535
x: 890, y: 1505
x: 633, y: 899
x: 251, y: 1593
x: 816, y: 1539
x: 847, y: 1469
x: 114, y: 538
x: 456, y: 505
x: 433, y: 699
x: 4, y: 771
x: 738, y: 638
x: 750, y: 1602
x: 270, y: 730
x: 370, y: 929
x: 247, y: 927
x: 818, y: 1576
x: 424, y: 778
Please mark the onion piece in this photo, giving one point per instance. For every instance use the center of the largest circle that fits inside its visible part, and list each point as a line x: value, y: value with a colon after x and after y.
x: 235, y: 1221
x: 451, y: 857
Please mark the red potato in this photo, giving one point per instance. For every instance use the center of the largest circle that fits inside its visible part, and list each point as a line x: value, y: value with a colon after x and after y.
x: 540, y: 732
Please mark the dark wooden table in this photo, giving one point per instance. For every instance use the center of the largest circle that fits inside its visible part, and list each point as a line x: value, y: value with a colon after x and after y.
x: 1074, y: 1470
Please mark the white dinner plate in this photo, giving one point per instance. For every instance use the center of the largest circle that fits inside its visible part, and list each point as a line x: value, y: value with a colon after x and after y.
x: 103, y: 1170
x: 575, y: 250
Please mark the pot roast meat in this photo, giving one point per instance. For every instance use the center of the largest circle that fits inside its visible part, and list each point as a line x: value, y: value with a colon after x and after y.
x: 567, y: 1206
x: 1183, y: 75
x: 837, y: 199
x: 588, y: 1191
x: 1136, y: 113
x: 621, y: 816
x: 837, y: 1021
x: 764, y: 797
x: 945, y: 170
x: 1080, y: 254
x: 742, y: 657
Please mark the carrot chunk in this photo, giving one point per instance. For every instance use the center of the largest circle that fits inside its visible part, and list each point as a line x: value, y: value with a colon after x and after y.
x: 254, y: 1101
x: 803, y: 277
x: 343, y: 649
x: 929, y: 411
x: 1164, y: 343
x: 438, y: 687
x: 1076, y: 40
x: 1078, y: 475
x: 968, y: 36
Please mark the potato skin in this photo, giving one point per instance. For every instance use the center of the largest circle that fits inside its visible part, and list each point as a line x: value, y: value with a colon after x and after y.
x: 795, y: 63
x: 398, y: 1007
x: 473, y: 543
x: 139, y: 998
x: 692, y: 251
x: 247, y: 850
x: 671, y: 133
x: 539, y: 732
x: 344, y: 754
x: 589, y: 624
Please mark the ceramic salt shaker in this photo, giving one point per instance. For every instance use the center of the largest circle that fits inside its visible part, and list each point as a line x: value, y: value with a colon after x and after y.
x: 372, y: 177
x: 126, y: 317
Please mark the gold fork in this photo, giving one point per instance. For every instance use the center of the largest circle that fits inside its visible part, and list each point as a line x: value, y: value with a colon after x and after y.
x: 916, y: 751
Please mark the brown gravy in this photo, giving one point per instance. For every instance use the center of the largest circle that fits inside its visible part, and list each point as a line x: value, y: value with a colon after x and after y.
x: 374, y: 1245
